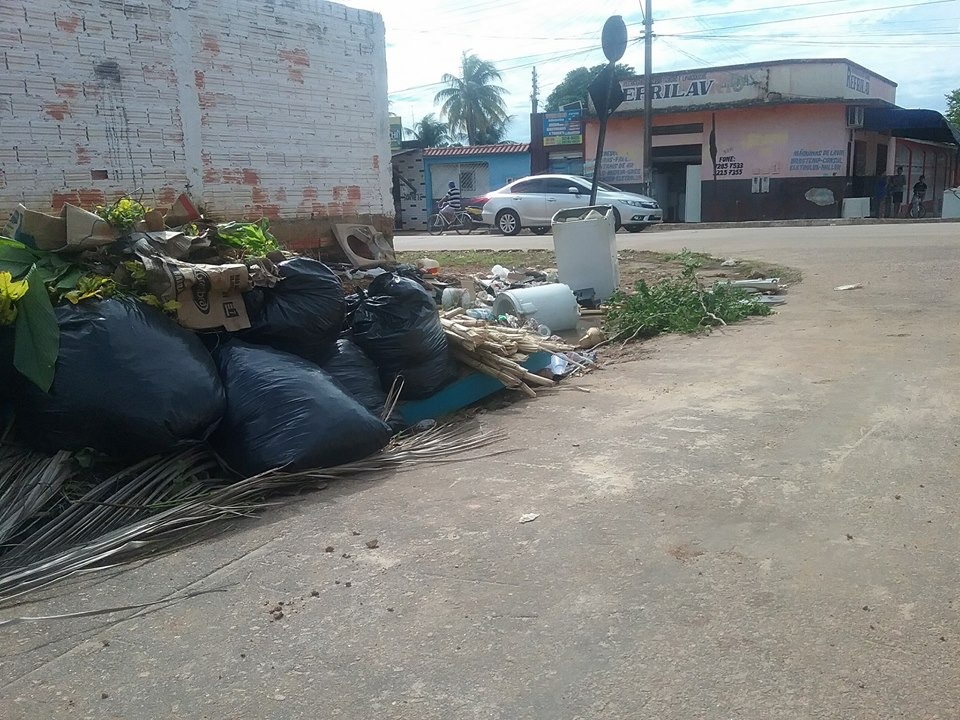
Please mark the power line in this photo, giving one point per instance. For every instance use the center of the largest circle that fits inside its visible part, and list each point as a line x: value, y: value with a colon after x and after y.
x: 824, y: 15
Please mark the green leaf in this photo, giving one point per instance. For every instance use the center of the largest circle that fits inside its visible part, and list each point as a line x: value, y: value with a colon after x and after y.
x: 69, y: 280
x: 15, y: 258
x: 37, y: 339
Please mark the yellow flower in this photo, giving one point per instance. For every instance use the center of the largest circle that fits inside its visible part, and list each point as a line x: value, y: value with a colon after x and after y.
x: 10, y: 291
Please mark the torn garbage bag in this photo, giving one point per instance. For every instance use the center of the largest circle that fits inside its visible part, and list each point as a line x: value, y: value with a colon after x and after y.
x: 302, y: 314
x: 351, y: 367
x: 398, y: 327
x: 129, y: 382
x: 285, y: 412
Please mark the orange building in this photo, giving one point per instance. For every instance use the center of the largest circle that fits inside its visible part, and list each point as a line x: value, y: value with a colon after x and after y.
x: 777, y: 140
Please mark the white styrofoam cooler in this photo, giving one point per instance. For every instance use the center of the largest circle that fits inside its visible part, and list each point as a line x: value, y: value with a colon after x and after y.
x: 585, y: 243
x: 951, y: 203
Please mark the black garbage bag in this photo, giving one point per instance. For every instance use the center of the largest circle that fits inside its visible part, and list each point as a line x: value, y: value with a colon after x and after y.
x: 129, y: 382
x: 398, y: 327
x: 351, y: 303
x: 302, y: 314
x: 284, y: 411
x: 351, y: 367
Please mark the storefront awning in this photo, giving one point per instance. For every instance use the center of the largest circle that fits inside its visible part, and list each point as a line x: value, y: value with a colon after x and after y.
x: 926, y: 125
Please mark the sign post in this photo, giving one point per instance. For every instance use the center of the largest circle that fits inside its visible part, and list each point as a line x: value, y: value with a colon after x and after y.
x: 605, y: 91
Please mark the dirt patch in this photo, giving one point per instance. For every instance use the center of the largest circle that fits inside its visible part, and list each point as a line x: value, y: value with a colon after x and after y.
x: 634, y: 265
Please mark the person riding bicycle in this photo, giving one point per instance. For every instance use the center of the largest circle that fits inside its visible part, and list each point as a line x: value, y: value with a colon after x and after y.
x: 920, y: 189
x: 450, y: 204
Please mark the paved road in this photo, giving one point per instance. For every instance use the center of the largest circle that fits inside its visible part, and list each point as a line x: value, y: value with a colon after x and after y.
x: 760, y: 524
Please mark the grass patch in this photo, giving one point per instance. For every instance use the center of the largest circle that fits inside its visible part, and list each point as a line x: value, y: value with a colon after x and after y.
x: 681, y: 304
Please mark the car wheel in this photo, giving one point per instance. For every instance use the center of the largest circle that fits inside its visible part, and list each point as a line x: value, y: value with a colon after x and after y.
x: 540, y: 229
x: 616, y: 220
x: 636, y: 228
x: 508, y: 222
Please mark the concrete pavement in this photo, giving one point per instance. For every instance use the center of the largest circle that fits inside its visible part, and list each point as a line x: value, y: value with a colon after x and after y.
x: 759, y: 524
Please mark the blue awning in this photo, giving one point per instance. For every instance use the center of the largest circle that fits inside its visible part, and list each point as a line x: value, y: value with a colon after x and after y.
x: 911, y: 124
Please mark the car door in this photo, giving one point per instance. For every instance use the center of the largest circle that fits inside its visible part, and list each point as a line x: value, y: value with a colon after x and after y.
x: 559, y: 197
x: 527, y: 198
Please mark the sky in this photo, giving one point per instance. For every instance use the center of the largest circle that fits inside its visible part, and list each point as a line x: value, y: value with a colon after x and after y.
x: 915, y: 43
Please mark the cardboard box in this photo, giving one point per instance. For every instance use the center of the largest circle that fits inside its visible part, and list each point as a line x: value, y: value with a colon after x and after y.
x: 36, y: 229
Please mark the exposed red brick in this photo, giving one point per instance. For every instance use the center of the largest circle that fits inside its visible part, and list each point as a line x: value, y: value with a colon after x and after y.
x: 211, y: 174
x: 259, y: 196
x: 309, y: 193
x: 281, y: 194
x: 210, y: 44
x: 353, y: 193
x: 207, y: 100
x: 167, y: 196
x: 338, y: 192
x: 250, y: 177
x: 83, y: 156
x: 199, y: 79
x: 86, y: 198
x: 268, y: 211
x: 332, y: 209
x: 67, y: 90
x: 56, y: 110
x: 91, y: 198
x: 295, y: 76
x: 68, y: 24
x: 59, y: 199
x: 231, y: 176
x: 296, y: 57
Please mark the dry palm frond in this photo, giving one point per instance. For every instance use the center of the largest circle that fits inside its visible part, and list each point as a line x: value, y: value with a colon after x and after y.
x: 28, y: 481
x: 151, y: 506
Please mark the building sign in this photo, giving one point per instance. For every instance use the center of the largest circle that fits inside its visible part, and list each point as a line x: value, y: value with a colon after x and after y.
x: 857, y: 83
x: 563, y: 128
x: 396, y: 133
x: 696, y: 88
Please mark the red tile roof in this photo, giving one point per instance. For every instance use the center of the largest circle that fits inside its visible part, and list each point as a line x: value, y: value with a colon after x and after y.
x: 477, y: 150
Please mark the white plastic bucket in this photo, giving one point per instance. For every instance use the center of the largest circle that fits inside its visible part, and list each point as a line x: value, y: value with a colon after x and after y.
x: 553, y: 305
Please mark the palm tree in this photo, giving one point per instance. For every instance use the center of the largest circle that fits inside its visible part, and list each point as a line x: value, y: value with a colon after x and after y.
x: 472, y: 104
x: 430, y: 131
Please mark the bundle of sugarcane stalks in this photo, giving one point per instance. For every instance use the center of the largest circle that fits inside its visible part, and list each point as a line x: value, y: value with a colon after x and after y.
x: 498, y: 351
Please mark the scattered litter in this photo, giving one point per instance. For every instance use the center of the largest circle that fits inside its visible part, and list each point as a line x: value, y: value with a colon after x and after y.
x: 854, y: 286
x: 729, y: 263
x: 594, y: 336
x: 761, y: 284
x: 529, y: 517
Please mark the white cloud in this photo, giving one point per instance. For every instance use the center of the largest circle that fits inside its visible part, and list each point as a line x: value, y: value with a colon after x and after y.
x: 909, y: 44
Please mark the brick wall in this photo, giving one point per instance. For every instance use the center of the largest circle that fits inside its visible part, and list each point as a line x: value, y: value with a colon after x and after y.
x: 254, y: 107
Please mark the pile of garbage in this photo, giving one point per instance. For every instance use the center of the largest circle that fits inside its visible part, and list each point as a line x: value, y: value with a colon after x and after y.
x: 135, y: 333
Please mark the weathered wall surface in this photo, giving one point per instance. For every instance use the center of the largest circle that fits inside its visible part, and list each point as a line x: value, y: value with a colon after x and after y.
x: 255, y: 108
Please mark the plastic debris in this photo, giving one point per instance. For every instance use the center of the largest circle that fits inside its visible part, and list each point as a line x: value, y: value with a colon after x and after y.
x: 854, y: 286
x: 528, y: 517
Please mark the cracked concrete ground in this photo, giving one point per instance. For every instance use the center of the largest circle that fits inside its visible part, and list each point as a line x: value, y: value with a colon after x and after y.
x: 759, y: 524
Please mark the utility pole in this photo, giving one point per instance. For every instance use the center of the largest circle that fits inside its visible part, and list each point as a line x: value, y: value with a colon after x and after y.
x: 535, y: 95
x: 648, y: 96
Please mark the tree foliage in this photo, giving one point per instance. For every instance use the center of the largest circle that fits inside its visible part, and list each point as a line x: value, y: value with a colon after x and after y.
x: 574, y: 86
x: 473, y: 103
x: 953, y: 107
x: 431, y: 131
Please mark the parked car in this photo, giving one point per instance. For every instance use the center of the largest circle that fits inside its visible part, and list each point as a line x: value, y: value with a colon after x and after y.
x: 533, y: 201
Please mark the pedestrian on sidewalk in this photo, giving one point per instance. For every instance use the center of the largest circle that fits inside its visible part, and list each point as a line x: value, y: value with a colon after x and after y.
x: 881, y: 195
x: 895, y: 190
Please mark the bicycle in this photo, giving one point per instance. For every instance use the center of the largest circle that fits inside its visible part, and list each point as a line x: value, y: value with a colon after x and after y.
x: 916, y: 206
x: 462, y: 223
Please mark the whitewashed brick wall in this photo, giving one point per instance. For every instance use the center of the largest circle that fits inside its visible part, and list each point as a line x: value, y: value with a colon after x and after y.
x: 254, y: 107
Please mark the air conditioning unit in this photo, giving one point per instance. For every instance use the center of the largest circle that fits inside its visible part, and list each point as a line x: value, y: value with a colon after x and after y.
x: 854, y: 116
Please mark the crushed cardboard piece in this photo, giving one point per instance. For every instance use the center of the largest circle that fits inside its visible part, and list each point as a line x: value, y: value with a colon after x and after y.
x: 181, y: 212
x: 37, y: 229
x: 86, y: 229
